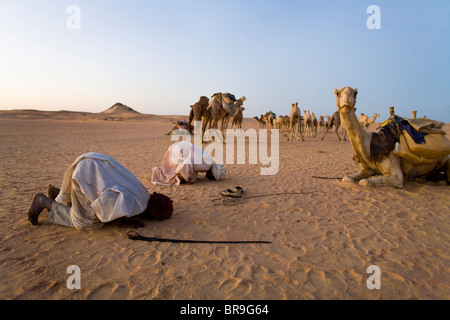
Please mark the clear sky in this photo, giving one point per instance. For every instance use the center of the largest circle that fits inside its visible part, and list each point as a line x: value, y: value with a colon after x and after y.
x: 159, y: 57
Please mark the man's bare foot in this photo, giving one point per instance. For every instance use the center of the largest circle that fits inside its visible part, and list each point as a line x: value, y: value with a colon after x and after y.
x: 52, y: 192
x: 39, y: 203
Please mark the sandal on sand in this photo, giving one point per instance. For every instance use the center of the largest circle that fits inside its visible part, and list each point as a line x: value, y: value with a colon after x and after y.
x: 239, y: 189
x: 234, y: 193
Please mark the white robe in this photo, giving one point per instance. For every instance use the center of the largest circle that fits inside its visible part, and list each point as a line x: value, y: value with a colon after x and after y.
x: 101, y: 190
x: 182, y: 160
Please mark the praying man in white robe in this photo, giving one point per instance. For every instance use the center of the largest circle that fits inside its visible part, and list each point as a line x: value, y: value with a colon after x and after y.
x: 182, y: 163
x: 96, y: 189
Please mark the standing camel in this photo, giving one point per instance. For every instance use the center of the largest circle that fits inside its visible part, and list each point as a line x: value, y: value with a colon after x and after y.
x: 321, y: 124
x: 365, y: 121
x: 262, y: 123
x: 335, y: 121
x: 314, y: 124
x: 295, y: 119
x: 222, y: 113
x: 237, y: 119
x: 269, y: 118
x: 308, y: 123
x: 198, y: 112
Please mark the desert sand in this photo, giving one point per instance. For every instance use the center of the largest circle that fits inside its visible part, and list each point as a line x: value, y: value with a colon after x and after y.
x: 323, y: 238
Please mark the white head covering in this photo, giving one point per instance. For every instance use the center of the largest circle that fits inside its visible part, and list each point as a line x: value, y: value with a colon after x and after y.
x: 218, y: 171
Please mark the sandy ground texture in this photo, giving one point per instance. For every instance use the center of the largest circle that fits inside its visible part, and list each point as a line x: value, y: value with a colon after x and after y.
x: 324, y: 233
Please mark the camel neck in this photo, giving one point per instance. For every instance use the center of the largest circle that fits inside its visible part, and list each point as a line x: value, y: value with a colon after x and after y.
x: 357, y: 135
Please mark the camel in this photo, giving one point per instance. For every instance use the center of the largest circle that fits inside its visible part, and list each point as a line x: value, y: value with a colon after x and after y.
x: 381, y: 161
x: 334, y: 120
x: 219, y: 113
x: 327, y: 118
x: 308, y: 123
x: 262, y: 123
x: 321, y: 124
x: 285, y: 123
x: 281, y: 123
x: 198, y: 112
x: 278, y: 122
x: 314, y: 124
x: 269, y: 117
x: 237, y: 119
x: 295, y: 119
x: 365, y: 121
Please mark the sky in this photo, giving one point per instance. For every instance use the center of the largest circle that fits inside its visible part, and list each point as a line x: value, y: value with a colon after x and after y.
x: 159, y: 57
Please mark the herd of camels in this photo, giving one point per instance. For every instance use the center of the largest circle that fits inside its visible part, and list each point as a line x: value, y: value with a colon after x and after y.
x: 210, y: 112
x: 382, y: 167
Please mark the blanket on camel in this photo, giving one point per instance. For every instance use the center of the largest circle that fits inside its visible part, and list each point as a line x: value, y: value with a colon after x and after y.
x: 417, y: 140
x: 421, y: 140
x: 227, y: 100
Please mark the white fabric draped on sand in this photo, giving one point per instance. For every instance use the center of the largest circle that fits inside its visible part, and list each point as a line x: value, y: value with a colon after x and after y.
x: 182, y: 160
x: 101, y: 190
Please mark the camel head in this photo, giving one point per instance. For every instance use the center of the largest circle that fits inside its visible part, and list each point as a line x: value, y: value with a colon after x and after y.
x: 238, y: 103
x: 345, y: 99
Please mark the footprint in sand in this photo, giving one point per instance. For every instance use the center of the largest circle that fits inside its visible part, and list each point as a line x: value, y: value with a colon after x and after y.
x: 243, y: 288
x: 110, y: 291
x: 228, y: 285
x: 227, y: 253
x: 336, y: 281
x: 244, y: 272
x: 317, y: 278
x: 148, y: 259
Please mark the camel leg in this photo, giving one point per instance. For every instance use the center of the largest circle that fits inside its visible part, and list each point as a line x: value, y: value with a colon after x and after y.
x: 392, y: 175
x: 444, y: 166
x: 291, y: 132
x: 326, y: 131
x: 301, y: 133
x: 337, y: 133
x: 363, y: 173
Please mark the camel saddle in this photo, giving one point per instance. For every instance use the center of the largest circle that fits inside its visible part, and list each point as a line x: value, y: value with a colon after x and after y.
x: 227, y: 100
x: 384, y: 139
x: 421, y: 140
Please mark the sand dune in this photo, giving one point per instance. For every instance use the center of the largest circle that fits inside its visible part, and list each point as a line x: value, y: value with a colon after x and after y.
x: 323, y: 239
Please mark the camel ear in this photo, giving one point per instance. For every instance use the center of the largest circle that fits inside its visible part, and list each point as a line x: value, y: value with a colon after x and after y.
x: 336, y: 92
x: 356, y: 92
